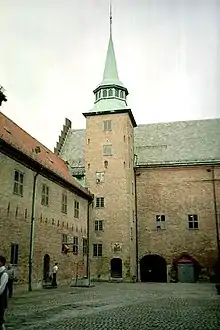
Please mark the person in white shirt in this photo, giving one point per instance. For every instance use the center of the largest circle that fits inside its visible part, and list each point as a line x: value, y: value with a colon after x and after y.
x: 54, y: 272
x: 3, y: 291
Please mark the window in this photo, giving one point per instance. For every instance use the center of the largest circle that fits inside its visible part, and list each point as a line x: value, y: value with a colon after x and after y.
x: 96, y: 96
x: 64, y: 203
x: 193, y: 221
x: 45, y: 195
x: 99, y: 94
x: 107, y: 150
x: 106, y: 164
x: 75, y: 245
x: 76, y: 209
x: 97, y: 250
x: 104, y: 93
x: 110, y: 92
x: 107, y: 125
x: 18, y: 183
x: 100, y: 202
x: 98, y: 225
x: 121, y: 94
x: 64, y: 241
x: 100, y: 177
x: 84, y: 246
x: 160, y: 221
x: 117, y: 93
x: 14, y: 254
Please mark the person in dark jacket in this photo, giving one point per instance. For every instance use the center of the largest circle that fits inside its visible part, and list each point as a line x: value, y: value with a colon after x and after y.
x: 3, y: 291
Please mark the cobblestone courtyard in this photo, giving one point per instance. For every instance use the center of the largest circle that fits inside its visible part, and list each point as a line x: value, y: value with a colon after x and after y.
x: 118, y: 306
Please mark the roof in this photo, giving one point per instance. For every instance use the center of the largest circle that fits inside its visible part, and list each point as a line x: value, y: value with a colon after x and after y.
x: 20, y: 140
x: 180, y: 142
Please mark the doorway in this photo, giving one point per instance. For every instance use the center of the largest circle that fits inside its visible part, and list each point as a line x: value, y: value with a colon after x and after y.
x: 153, y: 268
x: 46, y: 273
x: 116, y: 268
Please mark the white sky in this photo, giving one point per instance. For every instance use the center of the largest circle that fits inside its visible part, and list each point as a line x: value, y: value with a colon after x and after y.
x: 52, y: 56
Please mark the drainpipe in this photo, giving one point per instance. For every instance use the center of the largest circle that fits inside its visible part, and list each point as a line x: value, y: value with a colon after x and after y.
x: 31, y: 252
x: 136, y: 225
x: 215, y: 210
x: 88, y: 242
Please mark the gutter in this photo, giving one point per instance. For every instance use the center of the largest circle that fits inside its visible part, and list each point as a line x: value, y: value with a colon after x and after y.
x: 136, y: 226
x: 215, y: 210
x: 177, y: 164
x: 88, y: 241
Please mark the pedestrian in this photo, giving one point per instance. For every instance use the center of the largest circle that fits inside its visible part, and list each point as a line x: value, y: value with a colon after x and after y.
x: 11, y: 277
x: 54, y: 272
x: 3, y: 291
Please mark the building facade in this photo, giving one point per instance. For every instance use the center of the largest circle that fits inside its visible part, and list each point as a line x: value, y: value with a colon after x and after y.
x: 157, y: 192
x: 37, y: 189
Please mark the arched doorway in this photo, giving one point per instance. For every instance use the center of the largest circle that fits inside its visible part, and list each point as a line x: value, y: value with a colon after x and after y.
x: 116, y: 268
x: 46, y: 273
x: 153, y: 268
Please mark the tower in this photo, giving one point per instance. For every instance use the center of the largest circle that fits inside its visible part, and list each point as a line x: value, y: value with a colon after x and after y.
x: 110, y: 176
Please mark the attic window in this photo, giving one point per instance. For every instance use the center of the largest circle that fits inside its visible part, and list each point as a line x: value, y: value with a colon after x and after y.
x: 7, y: 130
x: 110, y: 92
x: 104, y: 93
x: 117, y: 92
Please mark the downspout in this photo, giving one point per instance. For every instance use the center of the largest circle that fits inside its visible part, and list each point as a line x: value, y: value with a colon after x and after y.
x: 88, y: 242
x: 215, y: 210
x: 136, y: 226
x: 31, y: 252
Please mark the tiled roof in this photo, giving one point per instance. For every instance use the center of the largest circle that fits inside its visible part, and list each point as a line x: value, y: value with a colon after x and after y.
x: 15, y: 136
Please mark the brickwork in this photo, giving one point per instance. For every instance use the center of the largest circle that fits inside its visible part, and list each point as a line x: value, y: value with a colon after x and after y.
x: 117, y: 189
x: 176, y: 193
x: 51, y: 223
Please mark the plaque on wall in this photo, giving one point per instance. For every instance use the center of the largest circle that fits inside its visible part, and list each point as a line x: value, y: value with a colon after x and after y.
x: 117, y: 247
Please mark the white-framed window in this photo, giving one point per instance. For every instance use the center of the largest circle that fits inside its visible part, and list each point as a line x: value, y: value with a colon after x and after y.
x: 160, y: 222
x: 98, y: 224
x: 97, y: 250
x: 100, y: 177
x: 100, y: 202
x: 110, y: 92
x: 193, y: 221
x: 104, y: 93
x: 121, y: 94
x: 107, y: 125
x: 45, y: 195
x: 99, y: 94
x: 18, y: 183
x: 107, y: 150
x: 116, y: 92
x: 76, y: 209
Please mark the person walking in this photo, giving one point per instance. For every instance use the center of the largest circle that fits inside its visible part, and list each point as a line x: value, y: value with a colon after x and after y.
x: 3, y: 291
x: 54, y: 272
x: 11, y: 277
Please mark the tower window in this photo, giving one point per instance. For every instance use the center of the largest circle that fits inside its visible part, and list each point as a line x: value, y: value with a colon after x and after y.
x: 106, y: 164
x: 193, y: 221
x: 107, y: 125
x: 117, y: 92
x: 97, y: 250
x: 121, y: 94
x: 99, y: 94
x: 100, y: 202
x: 107, y: 150
x: 110, y: 92
x: 100, y: 177
x: 104, y: 93
x: 160, y: 221
x: 96, y: 96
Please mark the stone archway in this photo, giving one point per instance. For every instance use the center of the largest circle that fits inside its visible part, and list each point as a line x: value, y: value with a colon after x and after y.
x: 116, y: 268
x: 46, y: 270
x: 153, y: 268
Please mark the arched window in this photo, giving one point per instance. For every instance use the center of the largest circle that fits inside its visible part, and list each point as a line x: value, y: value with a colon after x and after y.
x: 99, y: 94
x: 110, y: 92
x: 117, y: 92
x: 104, y: 93
x: 96, y: 96
x: 121, y: 94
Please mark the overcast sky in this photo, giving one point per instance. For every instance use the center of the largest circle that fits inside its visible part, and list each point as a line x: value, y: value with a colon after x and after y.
x: 52, y: 56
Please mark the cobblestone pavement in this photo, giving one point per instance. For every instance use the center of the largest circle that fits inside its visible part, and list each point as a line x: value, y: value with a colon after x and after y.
x: 118, y: 307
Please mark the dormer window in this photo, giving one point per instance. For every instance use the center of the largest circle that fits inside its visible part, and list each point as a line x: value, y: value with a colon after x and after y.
x: 104, y: 93
x: 110, y: 92
x: 121, y: 94
x: 116, y: 92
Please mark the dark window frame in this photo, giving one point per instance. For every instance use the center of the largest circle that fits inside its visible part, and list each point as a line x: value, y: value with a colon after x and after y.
x: 14, y: 253
x: 76, y: 209
x: 45, y: 195
x: 193, y: 221
x: 100, y: 202
x: 98, y: 224
x: 97, y: 250
x: 75, y: 245
x: 64, y: 203
x: 18, y: 187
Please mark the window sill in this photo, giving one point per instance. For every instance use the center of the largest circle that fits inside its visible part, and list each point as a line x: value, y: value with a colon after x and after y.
x: 17, y: 194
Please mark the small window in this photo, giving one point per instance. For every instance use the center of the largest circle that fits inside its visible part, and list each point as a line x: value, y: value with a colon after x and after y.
x: 100, y: 177
x: 110, y: 92
x: 76, y: 209
x: 104, y: 93
x: 18, y: 183
x: 106, y: 164
x: 75, y: 245
x: 193, y: 221
x: 121, y: 94
x: 14, y: 254
x: 100, y: 202
x: 97, y: 250
x: 107, y: 125
x: 64, y: 203
x: 64, y: 241
x: 98, y: 225
x: 107, y: 150
x: 99, y: 94
x: 117, y: 93
x: 84, y: 246
x: 45, y: 195
x: 160, y: 221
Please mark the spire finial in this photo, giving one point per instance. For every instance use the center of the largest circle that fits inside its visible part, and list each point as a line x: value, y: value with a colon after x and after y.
x: 110, y: 16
